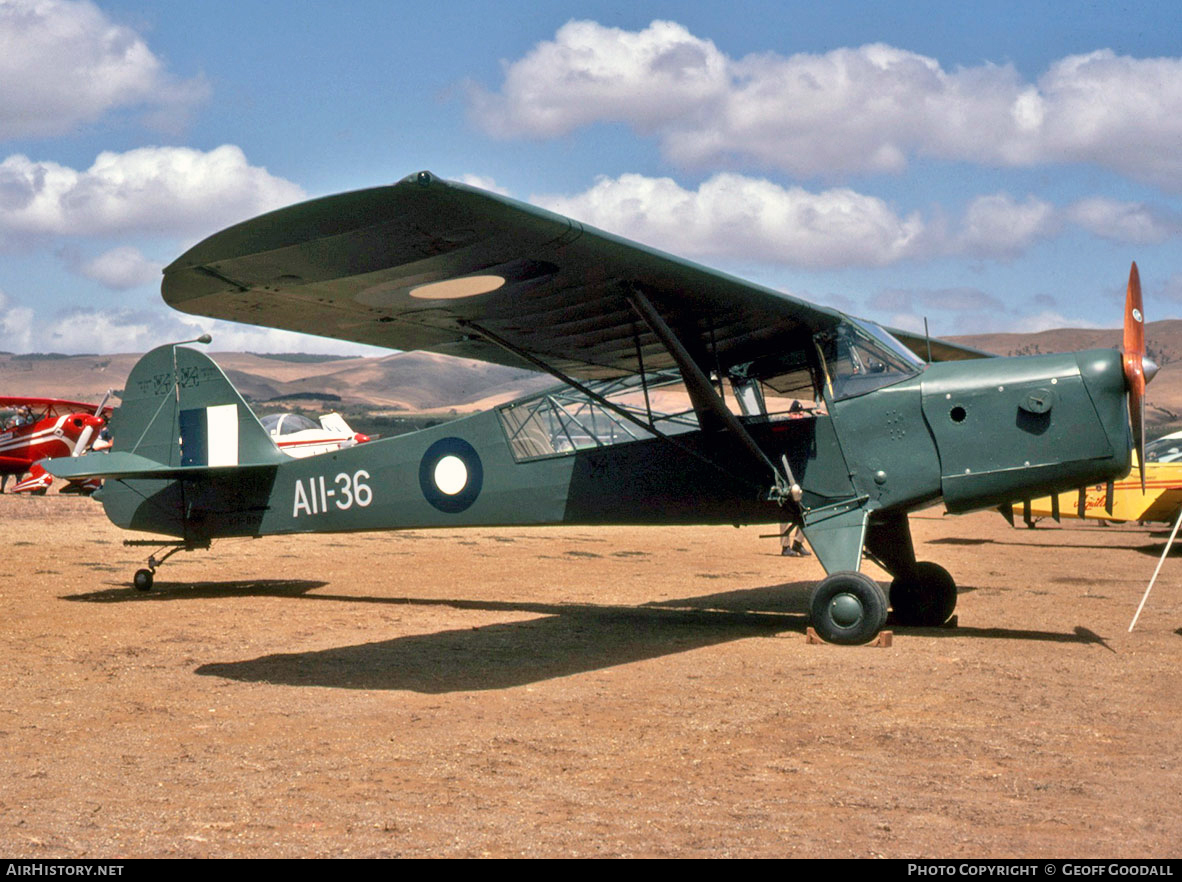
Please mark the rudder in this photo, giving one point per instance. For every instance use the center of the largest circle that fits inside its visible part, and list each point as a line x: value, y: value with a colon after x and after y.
x: 179, y: 409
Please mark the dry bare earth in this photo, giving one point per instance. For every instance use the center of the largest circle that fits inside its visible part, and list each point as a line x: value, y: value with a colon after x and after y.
x: 552, y: 692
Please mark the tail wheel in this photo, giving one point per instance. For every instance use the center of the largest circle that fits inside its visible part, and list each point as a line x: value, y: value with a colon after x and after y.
x: 848, y: 608
x: 924, y: 597
x: 143, y: 580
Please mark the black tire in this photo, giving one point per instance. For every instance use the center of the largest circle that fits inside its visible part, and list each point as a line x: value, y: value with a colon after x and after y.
x: 143, y: 580
x: 924, y: 597
x: 848, y: 608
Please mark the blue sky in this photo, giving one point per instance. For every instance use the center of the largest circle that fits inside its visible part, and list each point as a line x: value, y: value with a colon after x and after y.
x: 990, y: 166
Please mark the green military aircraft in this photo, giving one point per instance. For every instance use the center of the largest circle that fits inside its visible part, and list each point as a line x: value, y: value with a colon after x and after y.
x: 431, y: 264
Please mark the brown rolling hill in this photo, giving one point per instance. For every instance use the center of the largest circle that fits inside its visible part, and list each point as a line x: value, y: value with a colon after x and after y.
x: 1163, y: 343
x: 413, y: 382
x: 424, y: 382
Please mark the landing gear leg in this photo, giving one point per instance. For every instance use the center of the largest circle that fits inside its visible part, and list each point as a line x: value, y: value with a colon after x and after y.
x: 847, y: 606
x: 922, y: 594
x: 143, y: 579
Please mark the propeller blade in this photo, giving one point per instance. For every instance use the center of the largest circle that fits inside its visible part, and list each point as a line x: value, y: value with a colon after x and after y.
x: 1109, y: 491
x: 1026, y: 514
x: 1055, y: 507
x: 1134, y: 360
x: 1081, y: 504
x: 98, y: 410
x: 1007, y: 511
x: 83, y: 441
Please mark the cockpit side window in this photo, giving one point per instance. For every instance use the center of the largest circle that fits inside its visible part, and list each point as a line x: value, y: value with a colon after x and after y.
x: 860, y: 357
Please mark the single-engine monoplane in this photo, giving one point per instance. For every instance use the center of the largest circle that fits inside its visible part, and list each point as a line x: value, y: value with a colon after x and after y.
x: 900, y: 421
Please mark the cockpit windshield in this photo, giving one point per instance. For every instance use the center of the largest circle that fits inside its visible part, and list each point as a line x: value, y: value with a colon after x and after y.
x: 861, y: 357
x: 287, y: 423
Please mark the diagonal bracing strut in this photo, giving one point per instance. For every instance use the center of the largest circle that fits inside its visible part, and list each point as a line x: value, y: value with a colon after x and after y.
x: 707, y: 401
x: 603, y: 402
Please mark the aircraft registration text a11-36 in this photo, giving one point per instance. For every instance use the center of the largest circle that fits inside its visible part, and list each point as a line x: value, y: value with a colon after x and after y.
x: 431, y: 264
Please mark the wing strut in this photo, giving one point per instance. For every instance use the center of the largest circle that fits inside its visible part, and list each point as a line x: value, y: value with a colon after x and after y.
x: 603, y: 402
x: 711, y: 409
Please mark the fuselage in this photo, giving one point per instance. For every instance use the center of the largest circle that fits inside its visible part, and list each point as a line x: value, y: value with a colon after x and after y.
x: 971, y: 433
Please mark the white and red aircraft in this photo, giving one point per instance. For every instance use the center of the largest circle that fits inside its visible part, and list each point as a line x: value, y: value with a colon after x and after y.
x: 41, y: 428
x: 296, y: 435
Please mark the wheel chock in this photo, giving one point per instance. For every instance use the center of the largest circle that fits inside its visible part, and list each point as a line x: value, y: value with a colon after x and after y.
x: 884, y: 638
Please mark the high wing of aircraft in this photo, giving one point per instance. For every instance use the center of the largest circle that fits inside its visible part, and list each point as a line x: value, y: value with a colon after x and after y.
x: 430, y: 264
x: 39, y: 428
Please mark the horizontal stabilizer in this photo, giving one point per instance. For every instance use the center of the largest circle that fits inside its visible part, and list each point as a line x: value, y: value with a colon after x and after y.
x: 131, y: 465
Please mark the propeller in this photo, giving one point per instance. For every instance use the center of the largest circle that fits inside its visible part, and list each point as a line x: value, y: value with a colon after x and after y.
x: 1139, y: 370
x: 98, y: 410
x: 93, y: 423
x: 82, y: 445
x: 83, y: 441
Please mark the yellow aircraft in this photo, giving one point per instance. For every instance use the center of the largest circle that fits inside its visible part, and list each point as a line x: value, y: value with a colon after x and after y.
x: 1124, y: 500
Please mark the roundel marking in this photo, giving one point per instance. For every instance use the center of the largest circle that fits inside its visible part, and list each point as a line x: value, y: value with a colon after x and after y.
x: 451, y: 475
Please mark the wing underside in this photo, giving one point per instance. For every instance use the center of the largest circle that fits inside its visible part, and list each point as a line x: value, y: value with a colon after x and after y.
x: 435, y: 265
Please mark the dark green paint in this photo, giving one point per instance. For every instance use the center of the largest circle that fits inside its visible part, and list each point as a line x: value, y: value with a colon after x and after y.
x: 971, y: 433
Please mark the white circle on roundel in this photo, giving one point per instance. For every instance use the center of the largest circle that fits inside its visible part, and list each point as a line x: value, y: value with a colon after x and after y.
x: 451, y: 475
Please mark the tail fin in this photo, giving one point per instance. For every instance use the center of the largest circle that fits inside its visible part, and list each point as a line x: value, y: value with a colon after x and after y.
x: 189, y: 459
x: 180, y: 410
x: 179, y: 415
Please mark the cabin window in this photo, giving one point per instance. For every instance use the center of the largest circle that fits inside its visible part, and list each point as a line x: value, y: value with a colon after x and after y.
x: 562, y: 420
x: 861, y: 357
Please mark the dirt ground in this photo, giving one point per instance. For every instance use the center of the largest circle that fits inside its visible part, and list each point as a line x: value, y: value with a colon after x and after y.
x: 578, y: 692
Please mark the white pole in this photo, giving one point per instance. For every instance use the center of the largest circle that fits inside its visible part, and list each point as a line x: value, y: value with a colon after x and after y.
x: 1177, y: 524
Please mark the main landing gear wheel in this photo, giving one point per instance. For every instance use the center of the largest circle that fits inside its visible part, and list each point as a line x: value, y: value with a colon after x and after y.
x: 924, y: 597
x: 848, y: 608
x: 143, y: 580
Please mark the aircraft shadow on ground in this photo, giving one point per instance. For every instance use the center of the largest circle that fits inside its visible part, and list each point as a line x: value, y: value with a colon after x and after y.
x: 166, y: 591
x: 564, y: 639
x: 1155, y: 548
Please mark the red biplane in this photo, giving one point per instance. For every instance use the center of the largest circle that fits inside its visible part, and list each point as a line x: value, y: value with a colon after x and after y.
x: 41, y: 428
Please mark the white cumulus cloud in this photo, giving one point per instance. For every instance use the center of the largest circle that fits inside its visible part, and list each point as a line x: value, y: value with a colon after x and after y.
x: 735, y: 216
x: 1133, y: 222
x: 121, y: 268
x: 484, y: 183
x: 16, y: 326
x: 590, y: 73
x: 866, y: 109
x: 999, y: 226
x: 161, y: 190
x: 107, y: 331
x: 64, y: 64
